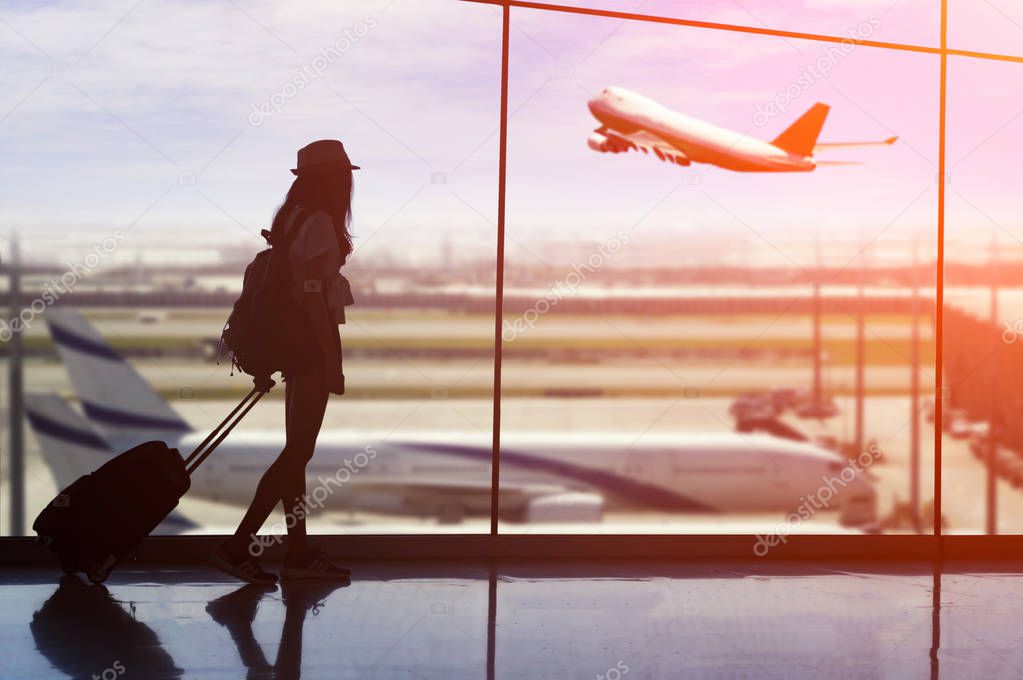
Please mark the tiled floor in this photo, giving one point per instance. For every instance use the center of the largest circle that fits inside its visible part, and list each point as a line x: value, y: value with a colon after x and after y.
x: 531, y: 620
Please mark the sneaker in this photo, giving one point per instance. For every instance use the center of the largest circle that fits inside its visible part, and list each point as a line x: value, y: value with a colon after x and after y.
x: 245, y: 568
x: 313, y: 565
x: 238, y: 606
x: 236, y: 611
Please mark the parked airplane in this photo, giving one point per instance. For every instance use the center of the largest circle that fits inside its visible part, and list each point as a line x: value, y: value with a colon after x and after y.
x: 544, y: 476
x: 631, y: 121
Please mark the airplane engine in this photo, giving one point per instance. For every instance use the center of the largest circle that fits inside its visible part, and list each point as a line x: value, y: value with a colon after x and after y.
x: 570, y: 506
x: 861, y: 509
x: 599, y: 142
x: 858, y: 502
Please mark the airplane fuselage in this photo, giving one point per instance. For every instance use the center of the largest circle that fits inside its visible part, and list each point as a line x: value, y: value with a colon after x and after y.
x: 428, y: 474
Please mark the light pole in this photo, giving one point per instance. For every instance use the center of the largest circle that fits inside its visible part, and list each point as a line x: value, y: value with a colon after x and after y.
x: 992, y: 445
x: 914, y: 395
x: 16, y: 410
x: 860, y: 358
x: 817, y: 285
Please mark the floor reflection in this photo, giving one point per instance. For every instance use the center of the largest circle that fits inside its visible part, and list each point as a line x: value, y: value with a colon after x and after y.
x: 935, y: 619
x: 512, y: 620
x: 84, y: 632
x: 236, y: 611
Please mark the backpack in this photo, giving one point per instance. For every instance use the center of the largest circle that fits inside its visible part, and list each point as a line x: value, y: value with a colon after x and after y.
x: 266, y: 331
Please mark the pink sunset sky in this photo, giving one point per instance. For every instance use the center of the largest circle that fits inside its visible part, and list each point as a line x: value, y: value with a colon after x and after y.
x: 120, y: 114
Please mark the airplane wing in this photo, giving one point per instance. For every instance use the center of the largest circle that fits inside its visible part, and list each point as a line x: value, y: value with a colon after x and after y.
x: 847, y: 145
x: 451, y: 500
x: 644, y: 141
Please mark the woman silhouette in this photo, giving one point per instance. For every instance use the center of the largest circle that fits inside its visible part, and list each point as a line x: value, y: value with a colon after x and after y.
x: 312, y: 224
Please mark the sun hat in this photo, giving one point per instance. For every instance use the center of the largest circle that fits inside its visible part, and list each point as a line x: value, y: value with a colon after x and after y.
x: 323, y: 154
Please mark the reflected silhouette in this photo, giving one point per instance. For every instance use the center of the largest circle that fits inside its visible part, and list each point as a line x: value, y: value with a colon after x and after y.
x: 492, y: 622
x: 236, y: 611
x: 935, y: 620
x: 84, y: 632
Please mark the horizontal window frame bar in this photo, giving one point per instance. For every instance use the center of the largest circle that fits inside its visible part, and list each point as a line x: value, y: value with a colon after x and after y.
x: 876, y: 548
x: 754, y: 30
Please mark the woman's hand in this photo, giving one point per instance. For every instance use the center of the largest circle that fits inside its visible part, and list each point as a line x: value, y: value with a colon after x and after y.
x: 335, y: 379
x: 334, y: 370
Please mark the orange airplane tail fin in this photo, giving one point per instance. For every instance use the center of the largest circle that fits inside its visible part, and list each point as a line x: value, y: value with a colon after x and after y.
x: 801, y: 136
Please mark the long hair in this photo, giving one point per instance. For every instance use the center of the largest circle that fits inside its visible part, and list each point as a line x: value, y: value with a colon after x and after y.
x: 329, y: 191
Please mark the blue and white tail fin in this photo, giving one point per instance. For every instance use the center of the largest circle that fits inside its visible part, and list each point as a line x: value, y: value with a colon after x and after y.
x: 71, y: 446
x: 115, y: 398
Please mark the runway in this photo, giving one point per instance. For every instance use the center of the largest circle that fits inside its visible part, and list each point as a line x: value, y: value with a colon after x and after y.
x: 459, y: 328
x: 418, y: 377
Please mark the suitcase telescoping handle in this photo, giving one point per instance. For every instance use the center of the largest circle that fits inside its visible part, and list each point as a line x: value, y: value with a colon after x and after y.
x: 219, y: 433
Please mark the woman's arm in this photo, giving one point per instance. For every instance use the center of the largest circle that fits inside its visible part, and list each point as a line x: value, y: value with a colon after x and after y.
x: 322, y: 324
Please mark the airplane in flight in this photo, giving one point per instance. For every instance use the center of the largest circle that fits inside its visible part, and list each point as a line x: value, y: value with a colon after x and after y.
x: 545, y: 477
x: 630, y: 121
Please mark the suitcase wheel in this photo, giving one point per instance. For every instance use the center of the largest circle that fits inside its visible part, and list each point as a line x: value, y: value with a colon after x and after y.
x: 99, y: 571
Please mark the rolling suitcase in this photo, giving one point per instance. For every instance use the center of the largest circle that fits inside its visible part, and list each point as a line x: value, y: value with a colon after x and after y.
x: 97, y: 521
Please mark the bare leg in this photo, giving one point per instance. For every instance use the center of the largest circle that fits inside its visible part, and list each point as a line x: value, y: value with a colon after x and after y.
x: 284, y: 480
x: 306, y: 403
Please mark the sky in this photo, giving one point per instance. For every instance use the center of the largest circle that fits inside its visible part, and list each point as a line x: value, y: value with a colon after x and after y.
x: 157, y: 116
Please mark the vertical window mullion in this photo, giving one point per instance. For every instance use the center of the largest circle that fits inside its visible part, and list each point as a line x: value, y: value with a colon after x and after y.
x: 495, y: 455
x: 939, y: 289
